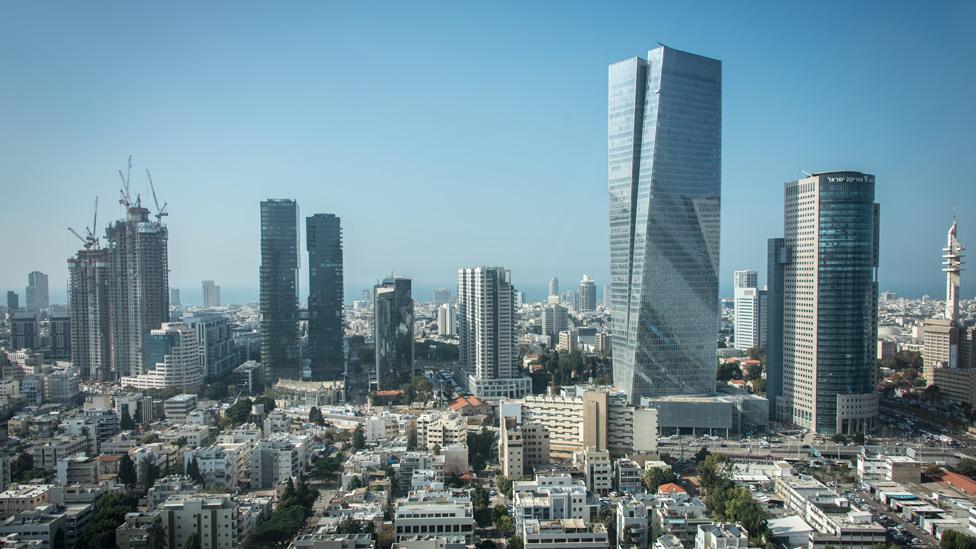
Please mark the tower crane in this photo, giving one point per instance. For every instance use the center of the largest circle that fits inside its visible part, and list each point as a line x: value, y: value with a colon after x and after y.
x: 160, y: 212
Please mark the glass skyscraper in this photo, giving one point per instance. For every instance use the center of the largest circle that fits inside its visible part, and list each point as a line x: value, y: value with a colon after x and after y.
x: 323, y: 238
x: 279, y: 289
x: 824, y: 291
x: 665, y: 158
x: 393, y: 332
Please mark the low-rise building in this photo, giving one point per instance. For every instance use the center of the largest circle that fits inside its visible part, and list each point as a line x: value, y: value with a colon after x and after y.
x: 632, y: 525
x: 834, y: 520
x: 722, y: 536
x: 212, y: 518
x: 437, y: 513
x: 563, y: 533
x: 77, y: 469
x: 598, y: 470
x: 38, y: 525
x: 178, y: 407
x: 141, y: 531
x: 627, y: 476
x: 23, y: 497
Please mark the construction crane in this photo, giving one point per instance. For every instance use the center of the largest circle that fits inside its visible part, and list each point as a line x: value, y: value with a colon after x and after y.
x: 160, y: 212
x: 89, y: 240
x: 124, y: 197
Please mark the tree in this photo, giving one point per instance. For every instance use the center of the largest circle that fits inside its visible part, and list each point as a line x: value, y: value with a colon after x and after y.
x: 954, y: 539
x: 359, y: 437
x: 239, y: 412
x: 515, y: 542
x: 354, y: 483
x: 108, y: 515
x: 148, y: 438
x: 412, y: 437
x: 315, y: 416
x: 654, y: 478
x: 967, y: 467
x: 700, y: 455
x: 728, y: 371
x: 504, y: 485
x: 193, y: 470
x: 267, y: 402
x: 127, y: 471
x: 150, y: 472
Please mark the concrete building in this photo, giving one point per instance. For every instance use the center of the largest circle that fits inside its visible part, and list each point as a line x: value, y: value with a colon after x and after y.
x: 679, y: 517
x: 173, y: 360
x: 25, y: 331
x: 441, y: 429
x: 441, y: 296
x: 325, y: 286
x: 564, y: 533
x: 393, y: 321
x: 141, y: 531
x: 211, y: 294
x: 633, y: 529
x: 88, y: 296
x: 279, y: 289
x: 440, y: 514
x: 824, y: 370
x: 722, y: 536
x: 750, y: 322
x: 139, y: 284
x: 279, y: 457
x: 38, y: 525
x: 598, y: 470
x: 177, y: 408
x: 23, y: 497
x: 745, y: 279
x: 446, y: 321
x: 627, y: 476
x: 551, y: 497
x: 59, y: 327
x: 664, y: 233
x: 213, y: 518
x: 217, y: 354
x: 521, y: 447
x: 486, y: 330
x: 835, y: 521
x: 555, y: 319
x: 587, y: 295
x: 37, y: 296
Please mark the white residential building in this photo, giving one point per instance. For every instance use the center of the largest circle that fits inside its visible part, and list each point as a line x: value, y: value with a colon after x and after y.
x: 173, y: 359
x: 446, y: 320
x: 440, y: 514
x: 213, y: 518
x: 278, y: 458
x: 564, y: 533
x: 442, y: 429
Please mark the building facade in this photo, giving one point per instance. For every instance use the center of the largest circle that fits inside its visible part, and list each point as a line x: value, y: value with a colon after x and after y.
x: 173, y: 360
x: 664, y: 215
x: 393, y: 332
x: 587, y: 295
x: 486, y: 330
x: 279, y: 289
x: 825, y: 365
x: 324, y: 243
x: 37, y: 291
x: 211, y: 294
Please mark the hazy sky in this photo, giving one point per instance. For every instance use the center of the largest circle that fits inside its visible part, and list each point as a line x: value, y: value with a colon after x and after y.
x: 460, y: 133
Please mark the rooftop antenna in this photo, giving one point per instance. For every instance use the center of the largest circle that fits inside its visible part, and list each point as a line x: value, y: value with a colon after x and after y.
x: 124, y: 197
x: 160, y: 212
x: 806, y: 173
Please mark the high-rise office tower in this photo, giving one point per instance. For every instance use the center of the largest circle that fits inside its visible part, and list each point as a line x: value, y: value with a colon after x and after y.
x: 139, y: 267
x: 441, y: 296
x: 555, y: 319
x: 89, y: 299
x: 486, y: 332
x: 446, y: 325
x: 37, y: 293
x: 823, y: 287
x: 279, y: 289
x: 587, y: 295
x: 211, y: 294
x: 213, y: 330
x: 553, y: 287
x: 745, y: 279
x: 324, y: 243
x: 750, y: 324
x: 174, y: 298
x: 13, y: 300
x: 393, y: 332
x: 665, y: 159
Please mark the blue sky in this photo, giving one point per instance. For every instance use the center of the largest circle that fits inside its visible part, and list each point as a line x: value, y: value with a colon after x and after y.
x: 449, y: 134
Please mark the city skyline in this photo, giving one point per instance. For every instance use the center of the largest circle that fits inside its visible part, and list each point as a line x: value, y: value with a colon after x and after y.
x: 757, y: 161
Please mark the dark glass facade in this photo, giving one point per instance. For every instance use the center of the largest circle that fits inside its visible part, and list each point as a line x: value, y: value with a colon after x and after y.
x: 393, y: 332
x: 323, y: 235
x: 279, y: 289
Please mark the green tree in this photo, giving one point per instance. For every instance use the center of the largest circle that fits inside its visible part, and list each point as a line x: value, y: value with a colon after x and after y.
x: 148, y: 438
x: 109, y: 513
x: 654, y: 478
x: 193, y: 470
x: 239, y: 412
x: 150, y: 472
x: 954, y: 539
x: 267, y: 402
x: 515, y: 542
x: 504, y: 485
x: 359, y: 437
x: 127, y: 471
x: 967, y: 467
x: 315, y: 416
x: 354, y: 483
